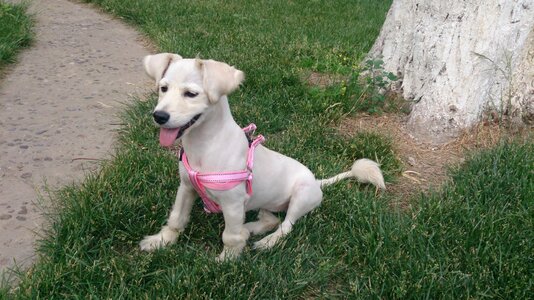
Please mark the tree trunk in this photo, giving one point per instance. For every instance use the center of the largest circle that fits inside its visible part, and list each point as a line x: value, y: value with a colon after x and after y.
x: 458, y: 60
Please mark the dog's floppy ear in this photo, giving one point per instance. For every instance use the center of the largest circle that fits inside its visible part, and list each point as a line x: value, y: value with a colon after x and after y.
x: 219, y: 78
x: 156, y: 65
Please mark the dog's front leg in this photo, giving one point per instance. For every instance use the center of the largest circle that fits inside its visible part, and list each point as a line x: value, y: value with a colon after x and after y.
x: 235, y: 235
x: 178, y: 219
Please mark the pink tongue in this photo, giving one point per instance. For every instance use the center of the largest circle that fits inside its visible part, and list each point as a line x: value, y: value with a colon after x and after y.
x: 168, y: 136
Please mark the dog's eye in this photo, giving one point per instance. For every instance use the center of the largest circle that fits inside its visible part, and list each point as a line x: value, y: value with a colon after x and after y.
x: 164, y: 89
x: 190, y: 94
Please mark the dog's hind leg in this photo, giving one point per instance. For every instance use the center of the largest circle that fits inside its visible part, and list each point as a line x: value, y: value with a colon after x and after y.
x: 178, y: 219
x: 306, y: 196
x: 266, y: 222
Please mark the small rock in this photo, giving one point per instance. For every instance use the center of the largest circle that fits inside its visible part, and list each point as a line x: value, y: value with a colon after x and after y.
x: 26, y: 175
x: 5, y: 217
x: 411, y: 161
x: 23, y: 210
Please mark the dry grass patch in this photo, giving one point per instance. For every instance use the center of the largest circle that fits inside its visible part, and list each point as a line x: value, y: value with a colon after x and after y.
x: 425, y: 165
x: 322, y: 80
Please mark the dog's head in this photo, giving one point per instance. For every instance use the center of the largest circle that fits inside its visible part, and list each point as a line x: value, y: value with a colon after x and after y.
x: 187, y: 89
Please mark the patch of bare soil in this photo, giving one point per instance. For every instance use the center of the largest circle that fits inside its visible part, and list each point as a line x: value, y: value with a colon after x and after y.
x: 322, y: 79
x: 425, y: 165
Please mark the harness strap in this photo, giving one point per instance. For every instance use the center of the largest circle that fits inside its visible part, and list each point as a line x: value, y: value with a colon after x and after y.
x: 209, y: 205
x: 250, y: 160
x: 223, y: 180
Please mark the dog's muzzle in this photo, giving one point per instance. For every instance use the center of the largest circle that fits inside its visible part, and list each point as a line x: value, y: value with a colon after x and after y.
x: 167, y: 136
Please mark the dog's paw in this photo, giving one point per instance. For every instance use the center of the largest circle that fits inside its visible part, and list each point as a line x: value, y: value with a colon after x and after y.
x: 267, y: 242
x: 228, y: 254
x: 152, y: 242
x: 159, y: 240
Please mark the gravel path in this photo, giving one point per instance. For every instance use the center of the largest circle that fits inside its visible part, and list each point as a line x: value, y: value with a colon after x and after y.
x: 57, y: 108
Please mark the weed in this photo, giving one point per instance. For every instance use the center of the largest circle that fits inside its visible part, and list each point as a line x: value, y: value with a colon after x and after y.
x: 366, y: 87
x: 16, y: 28
x: 377, y: 82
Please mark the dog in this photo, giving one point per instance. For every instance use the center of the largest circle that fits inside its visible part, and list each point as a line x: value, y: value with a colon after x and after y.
x: 193, y: 106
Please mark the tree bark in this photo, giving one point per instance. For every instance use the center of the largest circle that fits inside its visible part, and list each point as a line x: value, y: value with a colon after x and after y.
x: 458, y: 60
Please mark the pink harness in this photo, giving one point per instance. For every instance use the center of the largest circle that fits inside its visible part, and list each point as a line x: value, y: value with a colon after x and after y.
x: 222, y: 181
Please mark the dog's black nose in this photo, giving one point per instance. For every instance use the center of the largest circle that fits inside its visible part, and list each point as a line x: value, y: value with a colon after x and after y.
x: 161, y: 117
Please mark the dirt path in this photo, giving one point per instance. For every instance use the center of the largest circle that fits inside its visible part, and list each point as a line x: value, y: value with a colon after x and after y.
x: 57, y: 106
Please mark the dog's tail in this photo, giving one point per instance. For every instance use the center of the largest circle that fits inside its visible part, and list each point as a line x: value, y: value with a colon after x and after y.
x: 364, y: 170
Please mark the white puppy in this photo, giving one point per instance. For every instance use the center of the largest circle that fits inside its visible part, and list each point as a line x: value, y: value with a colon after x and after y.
x: 193, y: 106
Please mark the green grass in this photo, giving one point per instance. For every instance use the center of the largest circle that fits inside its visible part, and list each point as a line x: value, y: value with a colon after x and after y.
x: 273, y: 42
x: 16, y: 31
x: 472, y: 239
